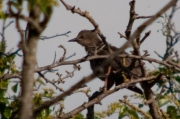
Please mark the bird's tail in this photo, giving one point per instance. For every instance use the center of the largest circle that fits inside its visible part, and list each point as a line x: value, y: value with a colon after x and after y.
x: 135, y: 89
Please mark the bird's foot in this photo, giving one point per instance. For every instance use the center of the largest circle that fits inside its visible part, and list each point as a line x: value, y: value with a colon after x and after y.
x: 103, y: 89
x: 125, y: 78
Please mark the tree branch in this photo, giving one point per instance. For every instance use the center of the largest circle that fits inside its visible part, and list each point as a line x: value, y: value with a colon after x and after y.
x: 91, y: 20
x: 47, y: 104
x: 48, y: 67
x: 102, y: 96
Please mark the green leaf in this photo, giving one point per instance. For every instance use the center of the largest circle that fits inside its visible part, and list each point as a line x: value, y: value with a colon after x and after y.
x: 95, y: 118
x: 2, y: 15
x: 39, y: 80
x: 3, y: 88
x: 7, y: 113
x: 1, y: 5
x: 3, y: 100
x: 15, y: 87
x: 122, y: 111
x: 140, y: 105
x: 133, y: 114
x: 163, y: 102
x: 45, y: 112
x: 172, y: 112
x: 78, y: 116
x: 31, y: 3
x: 20, y: 2
x: 177, y: 78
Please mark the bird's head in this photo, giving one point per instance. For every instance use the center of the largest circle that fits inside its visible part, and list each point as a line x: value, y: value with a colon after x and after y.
x: 87, y: 38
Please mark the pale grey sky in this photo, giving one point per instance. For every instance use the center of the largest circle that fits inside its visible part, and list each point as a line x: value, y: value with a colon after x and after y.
x: 112, y: 17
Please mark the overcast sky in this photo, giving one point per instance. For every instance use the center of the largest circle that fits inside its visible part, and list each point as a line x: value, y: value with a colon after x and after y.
x: 112, y: 17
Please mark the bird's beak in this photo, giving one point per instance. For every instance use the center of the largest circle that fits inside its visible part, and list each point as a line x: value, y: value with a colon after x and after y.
x: 73, y: 40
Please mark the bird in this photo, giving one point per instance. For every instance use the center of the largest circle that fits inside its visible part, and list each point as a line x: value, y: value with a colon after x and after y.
x: 117, y: 68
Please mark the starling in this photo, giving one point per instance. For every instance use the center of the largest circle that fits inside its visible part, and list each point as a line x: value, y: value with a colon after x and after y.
x: 118, y: 73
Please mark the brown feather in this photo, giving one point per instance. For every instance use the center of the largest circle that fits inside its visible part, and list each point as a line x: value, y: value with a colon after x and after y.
x: 93, y: 45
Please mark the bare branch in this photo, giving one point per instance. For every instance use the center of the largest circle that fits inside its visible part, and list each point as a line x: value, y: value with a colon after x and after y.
x: 28, y: 19
x: 143, y: 26
x: 143, y: 17
x: 132, y: 17
x: 125, y: 101
x: 10, y: 76
x: 29, y: 62
x: 136, y: 34
x: 53, y: 83
x: 122, y: 36
x: 146, y: 35
x: 66, y: 93
x: 103, y: 95
x: 175, y: 66
x: 45, y: 37
x: 63, y: 57
x: 87, y: 15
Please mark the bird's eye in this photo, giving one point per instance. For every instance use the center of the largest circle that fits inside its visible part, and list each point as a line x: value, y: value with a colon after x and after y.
x: 81, y: 37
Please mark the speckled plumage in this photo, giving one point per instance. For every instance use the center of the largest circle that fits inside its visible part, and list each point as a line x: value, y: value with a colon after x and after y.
x: 94, y: 46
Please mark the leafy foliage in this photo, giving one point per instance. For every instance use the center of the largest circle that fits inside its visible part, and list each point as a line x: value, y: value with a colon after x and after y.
x: 10, y: 104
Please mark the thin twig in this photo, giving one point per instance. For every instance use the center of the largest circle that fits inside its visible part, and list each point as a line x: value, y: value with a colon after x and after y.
x: 45, y: 37
x: 46, y: 104
x: 93, y: 22
x: 122, y: 36
x: 143, y: 17
x: 175, y: 66
x: 146, y: 35
x: 136, y: 108
x: 51, y: 82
